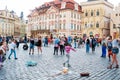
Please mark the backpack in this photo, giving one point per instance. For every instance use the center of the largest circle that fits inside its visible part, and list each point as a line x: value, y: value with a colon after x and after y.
x: 109, y: 45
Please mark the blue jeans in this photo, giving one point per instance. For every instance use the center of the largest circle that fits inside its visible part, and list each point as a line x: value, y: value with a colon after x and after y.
x: 75, y: 44
x: 103, y: 51
x: 68, y: 58
x: 12, y: 51
x: 87, y: 48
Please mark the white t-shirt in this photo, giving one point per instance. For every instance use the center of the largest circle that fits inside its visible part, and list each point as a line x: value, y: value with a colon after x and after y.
x: 12, y: 45
x: 115, y: 43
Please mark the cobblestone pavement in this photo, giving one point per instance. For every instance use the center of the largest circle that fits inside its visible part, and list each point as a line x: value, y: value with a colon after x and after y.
x: 49, y: 65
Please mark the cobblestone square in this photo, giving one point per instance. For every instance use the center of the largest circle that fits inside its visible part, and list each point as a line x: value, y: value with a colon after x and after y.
x: 49, y: 65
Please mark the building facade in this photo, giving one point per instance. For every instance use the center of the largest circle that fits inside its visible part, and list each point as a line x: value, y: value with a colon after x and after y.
x: 96, y: 17
x: 58, y: 17
x: 10, y: 24
x: 115, y: 21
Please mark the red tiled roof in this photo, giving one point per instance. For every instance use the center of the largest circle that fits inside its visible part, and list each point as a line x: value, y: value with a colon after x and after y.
x: 57, y: 3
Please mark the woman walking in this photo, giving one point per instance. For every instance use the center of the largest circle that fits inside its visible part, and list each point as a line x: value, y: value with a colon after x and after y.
x: 115, y: 51
x: 39, y: 44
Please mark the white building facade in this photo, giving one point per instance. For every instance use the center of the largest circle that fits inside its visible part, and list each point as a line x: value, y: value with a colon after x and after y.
x: 56, y: 17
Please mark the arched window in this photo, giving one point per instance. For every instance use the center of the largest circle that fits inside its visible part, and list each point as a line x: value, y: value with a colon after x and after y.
x: 97, y: 25
x: 85, y: 25
x: 86, y: 13
x: 91, y: 12
x: 97, y: 13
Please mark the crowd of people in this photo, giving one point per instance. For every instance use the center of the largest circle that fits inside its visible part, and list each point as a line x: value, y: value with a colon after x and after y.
x: 64, y: 44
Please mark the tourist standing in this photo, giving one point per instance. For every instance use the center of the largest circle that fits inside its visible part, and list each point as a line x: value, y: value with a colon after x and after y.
x: 93, y: 44
x: 115, y: 51
x: 39, y: 44
x: 87, y: 45
x: 31, y: 45
x: 109, y: 46
x: 12, y: 49
x: 104, y: 44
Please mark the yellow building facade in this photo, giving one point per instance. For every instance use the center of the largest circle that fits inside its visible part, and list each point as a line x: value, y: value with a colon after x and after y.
x: 11, y: 24
x: 96, y: 18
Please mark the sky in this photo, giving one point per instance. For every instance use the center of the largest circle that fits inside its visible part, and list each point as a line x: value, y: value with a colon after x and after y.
x: 27, y: 5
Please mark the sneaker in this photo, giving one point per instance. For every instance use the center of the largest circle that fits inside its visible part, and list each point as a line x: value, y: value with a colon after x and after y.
x: 16, y: 58
x: 117, y: 66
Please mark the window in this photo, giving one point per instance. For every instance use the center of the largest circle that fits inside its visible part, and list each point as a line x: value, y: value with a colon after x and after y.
x: 77, y: 27
x: 74, y: 26
x: 71, y: 26
x: 64, y: 26
x: 114, y: 26
x: 71, y: 15
x: 60, y: 26
x: 85, y: 25
x: 75, y: 16
x: 52, y: 16
x: 92, y: 13
x: 97, y: 12
x: 86, y: 14
x: 97, y: 25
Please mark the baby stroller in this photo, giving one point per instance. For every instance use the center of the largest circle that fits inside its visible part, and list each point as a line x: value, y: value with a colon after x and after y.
x: 25, y: 46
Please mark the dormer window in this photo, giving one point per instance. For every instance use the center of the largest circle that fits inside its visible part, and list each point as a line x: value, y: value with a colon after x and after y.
x: 76, y: 7
x: 63, y: 5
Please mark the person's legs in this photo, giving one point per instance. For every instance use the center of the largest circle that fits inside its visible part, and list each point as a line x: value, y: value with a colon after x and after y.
x: 113, y: 60
x: 40, y: 49
x: 33, y: 50
x: 54, y: 50
x: 14, y: 54
x: 11, y: 51
x: 57, y: 50
x: 116, y: 61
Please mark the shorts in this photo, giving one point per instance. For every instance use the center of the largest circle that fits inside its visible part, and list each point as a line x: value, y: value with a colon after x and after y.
x: 115, y: 50
x: 31, y: 46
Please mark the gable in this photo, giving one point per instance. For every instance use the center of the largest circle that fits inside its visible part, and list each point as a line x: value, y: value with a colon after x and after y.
x: 52, y: 9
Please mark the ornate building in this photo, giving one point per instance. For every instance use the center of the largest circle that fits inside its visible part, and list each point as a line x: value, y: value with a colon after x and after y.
x: 58, y: 17
x: 115, y: 21
x: 10, y: 23
x: 96, y: 17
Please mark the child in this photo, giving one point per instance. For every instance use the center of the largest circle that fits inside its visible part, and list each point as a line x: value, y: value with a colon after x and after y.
x: 12, y: 49
x: 67, y: 49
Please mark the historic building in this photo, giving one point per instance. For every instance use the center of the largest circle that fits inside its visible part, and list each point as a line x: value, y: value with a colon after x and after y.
x: 58, y: 17
x: 115, y: 21
x: 10, y: 24
x: 96, y: 17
